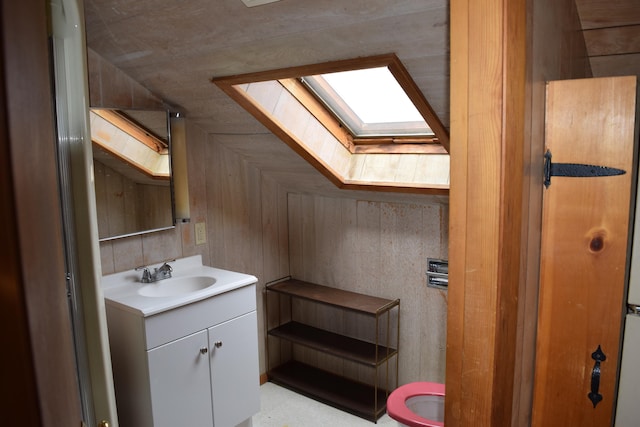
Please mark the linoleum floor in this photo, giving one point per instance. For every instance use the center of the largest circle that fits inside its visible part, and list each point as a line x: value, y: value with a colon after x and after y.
x: 280, y: 407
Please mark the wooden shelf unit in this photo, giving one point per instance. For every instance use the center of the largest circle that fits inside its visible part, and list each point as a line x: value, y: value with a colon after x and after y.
x: 366, y: 400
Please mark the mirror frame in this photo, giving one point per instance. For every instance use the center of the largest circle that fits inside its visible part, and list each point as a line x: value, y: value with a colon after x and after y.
x: 168, y: 115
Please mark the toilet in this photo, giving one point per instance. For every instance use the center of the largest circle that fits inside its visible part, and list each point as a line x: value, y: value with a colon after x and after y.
x: 417, y: 404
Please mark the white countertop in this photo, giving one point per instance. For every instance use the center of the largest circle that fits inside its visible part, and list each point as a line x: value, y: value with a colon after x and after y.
x: 121, y: 289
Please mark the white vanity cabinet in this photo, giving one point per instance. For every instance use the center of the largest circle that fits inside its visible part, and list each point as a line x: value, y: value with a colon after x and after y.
x: 234, y: 370
x: 179, y: 382
x: 192, y: 366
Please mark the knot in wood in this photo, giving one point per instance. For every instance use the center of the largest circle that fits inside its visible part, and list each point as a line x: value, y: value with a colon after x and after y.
x: 597, y: 242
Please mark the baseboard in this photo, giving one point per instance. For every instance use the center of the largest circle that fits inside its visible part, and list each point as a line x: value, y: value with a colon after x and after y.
x: 263, y: 378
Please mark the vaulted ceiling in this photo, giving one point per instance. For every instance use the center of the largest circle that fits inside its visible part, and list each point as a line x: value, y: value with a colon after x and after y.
x: 175, y: 49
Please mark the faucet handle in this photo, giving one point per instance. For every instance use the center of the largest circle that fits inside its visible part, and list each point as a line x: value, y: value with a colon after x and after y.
x: 146, y: 275
x: 165, y: 268
x: 163, y: 272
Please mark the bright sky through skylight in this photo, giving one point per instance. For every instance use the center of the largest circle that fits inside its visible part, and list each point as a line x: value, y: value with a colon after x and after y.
x: 374, y: 95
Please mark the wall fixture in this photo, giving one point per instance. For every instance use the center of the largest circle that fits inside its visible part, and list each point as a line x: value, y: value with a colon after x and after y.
x: 179, y: 167
x: 437, y: 273
x: 251, y: 3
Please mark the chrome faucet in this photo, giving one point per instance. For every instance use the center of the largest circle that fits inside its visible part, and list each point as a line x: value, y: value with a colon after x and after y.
x: 161, y: 273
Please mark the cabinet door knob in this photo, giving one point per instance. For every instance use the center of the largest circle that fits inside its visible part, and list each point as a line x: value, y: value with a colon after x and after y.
x: 218, y: 344
x: 103, y: 424
x: 204, y: 350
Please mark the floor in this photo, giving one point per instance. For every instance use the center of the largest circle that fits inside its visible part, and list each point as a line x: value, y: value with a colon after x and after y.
x: 280, y: 407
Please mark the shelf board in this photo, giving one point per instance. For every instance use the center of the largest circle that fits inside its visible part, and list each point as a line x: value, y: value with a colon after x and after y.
x: 350, y: 396
x: 331, y: 343
x: 335, y: 297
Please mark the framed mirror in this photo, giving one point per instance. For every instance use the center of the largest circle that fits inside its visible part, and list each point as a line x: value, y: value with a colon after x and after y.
x: 132, y: 170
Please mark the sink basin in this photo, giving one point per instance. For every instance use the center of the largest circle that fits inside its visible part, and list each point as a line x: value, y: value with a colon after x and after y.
x: 191, y: 282
x: 176, y: 286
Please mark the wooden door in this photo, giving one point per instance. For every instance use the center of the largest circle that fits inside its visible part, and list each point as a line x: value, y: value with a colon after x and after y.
x: 584, y: 250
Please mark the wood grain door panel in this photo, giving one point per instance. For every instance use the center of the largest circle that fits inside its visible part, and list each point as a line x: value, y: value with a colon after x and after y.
x: 584, y: 249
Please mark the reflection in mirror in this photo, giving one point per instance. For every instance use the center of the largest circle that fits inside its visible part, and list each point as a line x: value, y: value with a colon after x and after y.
x: 131, y: 157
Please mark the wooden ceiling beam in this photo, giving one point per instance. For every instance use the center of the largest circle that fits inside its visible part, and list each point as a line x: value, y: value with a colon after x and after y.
x: 608, y: 13
x: 613, y: 40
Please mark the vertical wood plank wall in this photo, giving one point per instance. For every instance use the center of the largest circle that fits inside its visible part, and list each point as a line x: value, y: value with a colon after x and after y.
x: 125, y: 206
x: 502, y: 101
x: 380, y: 249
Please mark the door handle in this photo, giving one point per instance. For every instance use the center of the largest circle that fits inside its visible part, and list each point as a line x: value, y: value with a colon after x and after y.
x: 594, y: 396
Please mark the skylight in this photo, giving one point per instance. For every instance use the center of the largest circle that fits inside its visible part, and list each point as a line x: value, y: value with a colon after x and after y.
x: 367, y: 129
x: 370, y: 102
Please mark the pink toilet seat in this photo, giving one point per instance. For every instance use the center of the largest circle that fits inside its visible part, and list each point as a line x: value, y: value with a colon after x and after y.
x: 397, y: 408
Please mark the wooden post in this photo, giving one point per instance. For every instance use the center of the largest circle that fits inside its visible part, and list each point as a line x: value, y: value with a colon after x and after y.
x: 488, y: 56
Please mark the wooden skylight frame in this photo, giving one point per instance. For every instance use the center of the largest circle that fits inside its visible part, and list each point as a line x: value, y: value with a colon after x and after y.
x: 292, y: 112
x: 132, y: 145
x: 121, y: 121
x: 290, y: 79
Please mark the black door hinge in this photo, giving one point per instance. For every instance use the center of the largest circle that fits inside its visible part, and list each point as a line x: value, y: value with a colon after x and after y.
x: 575, y: 170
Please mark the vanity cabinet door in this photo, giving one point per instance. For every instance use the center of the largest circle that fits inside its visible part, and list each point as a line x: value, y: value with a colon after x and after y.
x: 234, y: 370
x: 179, y: 382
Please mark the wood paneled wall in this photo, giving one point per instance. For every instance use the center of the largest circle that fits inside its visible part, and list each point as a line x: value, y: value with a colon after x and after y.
x: 125, y: 206
x: 380, y: 249
x: 247, y: 221
x: 259, y: 227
